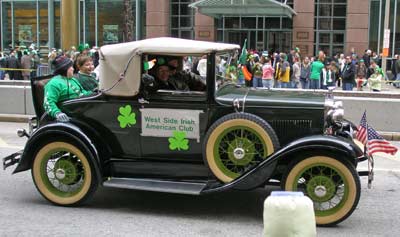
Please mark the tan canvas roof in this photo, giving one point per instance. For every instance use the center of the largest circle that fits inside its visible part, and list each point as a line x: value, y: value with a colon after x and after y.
x: 116, y: 58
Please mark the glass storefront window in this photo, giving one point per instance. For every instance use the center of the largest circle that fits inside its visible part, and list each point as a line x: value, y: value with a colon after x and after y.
x: 339, y: 24
x: 340, y: 10
x: 232, y: 22
x: 325, y: 10
x: 88, y: 22
x: 110, y: 22
x: 260, y: 22
x: 273, y: 22
x: 249, y: 22
x: 376, y: 27
x: 7, y: 26
x: 262, y: 33
x: 338, y: 38
x: 287, y: 23
x: 324, y: 38
x: 337, y: 49
x: 397, y: 31
x: 186, y: 22
x: 25, y: 23
x: 324, y: 24
x: 330, y: 25
x: 182, y: 19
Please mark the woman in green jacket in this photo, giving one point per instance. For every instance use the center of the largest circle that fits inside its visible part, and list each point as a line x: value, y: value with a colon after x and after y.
x: 61, y: 87
x: 375, y: 80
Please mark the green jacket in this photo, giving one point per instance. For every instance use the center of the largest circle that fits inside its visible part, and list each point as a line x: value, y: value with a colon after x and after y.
x: 375, y: 82
x: 58, y: 89
x: 88, y: 82
x: 316, y: 68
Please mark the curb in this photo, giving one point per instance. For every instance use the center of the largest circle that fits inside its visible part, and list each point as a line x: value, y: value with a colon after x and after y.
x: 390, y: 136
x: 23, y: 118
x: 16, y: 118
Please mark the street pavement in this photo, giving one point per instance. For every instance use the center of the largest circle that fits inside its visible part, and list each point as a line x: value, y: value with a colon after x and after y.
x: 117, y: 212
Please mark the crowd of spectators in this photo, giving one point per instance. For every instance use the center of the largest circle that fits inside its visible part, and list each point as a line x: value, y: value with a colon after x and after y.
x: 292, y: 70
x: 267, y: 69
x: 22, y: 63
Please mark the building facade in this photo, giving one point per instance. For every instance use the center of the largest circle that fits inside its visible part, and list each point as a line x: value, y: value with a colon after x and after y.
x: 330, y: 25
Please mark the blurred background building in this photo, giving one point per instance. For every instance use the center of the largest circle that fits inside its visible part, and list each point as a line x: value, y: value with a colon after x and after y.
x: 331, y: 25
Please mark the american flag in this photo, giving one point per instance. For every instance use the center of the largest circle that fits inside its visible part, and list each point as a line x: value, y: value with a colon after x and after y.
x: 376, y: 143
x: 362, y: 129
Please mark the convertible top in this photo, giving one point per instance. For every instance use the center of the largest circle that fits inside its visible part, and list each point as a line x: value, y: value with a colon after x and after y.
x: 125, y: 59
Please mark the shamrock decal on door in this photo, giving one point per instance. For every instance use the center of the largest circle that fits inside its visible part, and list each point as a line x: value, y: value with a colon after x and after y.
x: 178, y: 141
x: 126, y: 117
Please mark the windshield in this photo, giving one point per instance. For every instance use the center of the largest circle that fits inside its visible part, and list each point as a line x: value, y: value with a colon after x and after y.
x: 228, y: 69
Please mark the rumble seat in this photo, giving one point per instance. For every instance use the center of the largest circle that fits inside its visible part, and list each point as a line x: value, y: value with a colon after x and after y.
x: 37, y: 87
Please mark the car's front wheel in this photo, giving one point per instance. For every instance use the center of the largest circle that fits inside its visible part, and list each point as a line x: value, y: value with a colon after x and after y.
x: 237, y: 142
x: 63, y: 173
x: 332, y: 185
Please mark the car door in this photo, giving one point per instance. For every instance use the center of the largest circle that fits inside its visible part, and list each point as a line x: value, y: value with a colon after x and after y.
x: 173, y: 124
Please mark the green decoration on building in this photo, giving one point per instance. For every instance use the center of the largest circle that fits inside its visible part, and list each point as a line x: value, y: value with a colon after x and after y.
x: 178, y: 141
x: 126, y: 117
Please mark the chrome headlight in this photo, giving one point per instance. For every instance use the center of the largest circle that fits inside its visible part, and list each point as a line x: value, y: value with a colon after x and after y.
x: 334, y: 110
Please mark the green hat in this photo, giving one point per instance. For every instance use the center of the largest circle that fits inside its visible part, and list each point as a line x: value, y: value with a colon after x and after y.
x: 83, y: 47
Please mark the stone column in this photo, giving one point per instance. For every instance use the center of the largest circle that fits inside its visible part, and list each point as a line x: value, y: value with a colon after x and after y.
x: 157, y: 18
x: 69, y: 23
x: 303, y: 26
x: 204, y: 27
x: 357, y: 26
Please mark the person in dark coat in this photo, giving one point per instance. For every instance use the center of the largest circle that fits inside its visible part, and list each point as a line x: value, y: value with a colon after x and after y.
x: 367, y: 58
x: 348, y: 75
x: 13, y: 63
x: 3, y: 64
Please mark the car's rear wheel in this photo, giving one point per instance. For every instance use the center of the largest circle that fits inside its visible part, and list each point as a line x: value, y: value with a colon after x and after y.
x: 63, y: 173
x: 236, y: 142
x: 333, y: 186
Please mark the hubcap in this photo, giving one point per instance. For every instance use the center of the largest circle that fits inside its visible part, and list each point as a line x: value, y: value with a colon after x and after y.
x: 239, y: 153
x: 320, y: 191
x: 60, y: 174
x: 67, y: 170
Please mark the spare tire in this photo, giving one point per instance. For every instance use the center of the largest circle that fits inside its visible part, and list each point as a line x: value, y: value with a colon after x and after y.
x: 237, y: 142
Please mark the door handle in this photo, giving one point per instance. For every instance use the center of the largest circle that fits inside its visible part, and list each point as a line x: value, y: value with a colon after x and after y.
x: 143, y: 101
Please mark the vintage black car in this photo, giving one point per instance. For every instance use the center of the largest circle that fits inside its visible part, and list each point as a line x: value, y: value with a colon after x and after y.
x: 224, y: 136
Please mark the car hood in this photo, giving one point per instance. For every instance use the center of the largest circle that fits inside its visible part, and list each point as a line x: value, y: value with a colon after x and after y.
x: 252, y: 97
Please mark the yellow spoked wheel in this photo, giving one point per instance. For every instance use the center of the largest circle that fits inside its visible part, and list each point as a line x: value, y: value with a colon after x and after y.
x: 237, y: 142
x: 63, y: 174
x: 332, y: 185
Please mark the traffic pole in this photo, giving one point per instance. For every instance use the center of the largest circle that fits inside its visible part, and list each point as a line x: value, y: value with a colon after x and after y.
x: 386, y: 37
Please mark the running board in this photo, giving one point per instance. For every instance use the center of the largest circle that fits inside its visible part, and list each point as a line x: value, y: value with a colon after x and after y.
x: 156, y: 185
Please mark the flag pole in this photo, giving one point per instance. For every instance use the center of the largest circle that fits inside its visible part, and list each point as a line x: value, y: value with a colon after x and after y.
x: 370, y: 160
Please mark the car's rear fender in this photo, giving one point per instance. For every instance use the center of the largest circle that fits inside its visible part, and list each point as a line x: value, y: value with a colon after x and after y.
x: 50, y: 132
x: 259, y: 175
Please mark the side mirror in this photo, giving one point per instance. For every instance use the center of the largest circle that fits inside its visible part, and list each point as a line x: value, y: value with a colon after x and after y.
x: 148, y: 80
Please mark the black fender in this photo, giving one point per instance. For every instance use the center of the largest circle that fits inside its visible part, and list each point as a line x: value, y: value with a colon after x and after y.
x: 261, y: 173
x: 66, y: 130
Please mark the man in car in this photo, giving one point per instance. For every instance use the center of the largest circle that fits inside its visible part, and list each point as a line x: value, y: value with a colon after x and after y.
x: 184, y: 80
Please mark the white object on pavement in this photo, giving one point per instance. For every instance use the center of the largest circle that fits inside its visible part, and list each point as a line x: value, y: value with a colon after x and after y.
x: 289, y: 214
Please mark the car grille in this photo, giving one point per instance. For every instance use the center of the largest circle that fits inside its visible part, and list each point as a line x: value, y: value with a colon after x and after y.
x: 288, y: 130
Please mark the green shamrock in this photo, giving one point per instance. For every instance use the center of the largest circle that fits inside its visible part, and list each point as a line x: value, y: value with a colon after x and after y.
x: 127, y: 118
x: 178, y: 141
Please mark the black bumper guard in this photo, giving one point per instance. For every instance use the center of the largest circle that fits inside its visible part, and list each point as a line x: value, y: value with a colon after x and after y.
x: 12, y: 159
